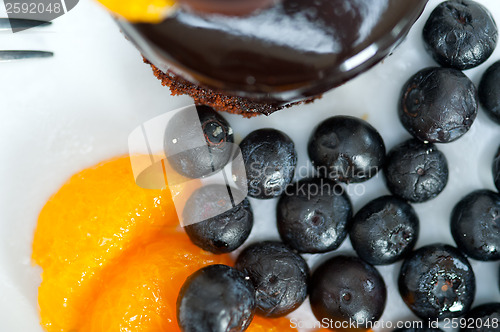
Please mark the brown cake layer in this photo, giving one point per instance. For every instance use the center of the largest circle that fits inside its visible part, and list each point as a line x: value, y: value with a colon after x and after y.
x: 219, y: 101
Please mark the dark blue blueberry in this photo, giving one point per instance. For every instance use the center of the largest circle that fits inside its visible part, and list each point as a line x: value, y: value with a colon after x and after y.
x: 484, y: 318
x: 385, y: 230
x: 216, y: 298
x: 460, y: 34
x: 489, y: 92
x: 346, y: 289
x: 415, y: 171
x: 313, y: 215
x: 347, y: 149
x: 280, y: 277
x: 224, y: 232
x: 212, y: 142
x: 437, y: 282
x: 438, y: 105
x: 475, y: 225
x: 270, y: 159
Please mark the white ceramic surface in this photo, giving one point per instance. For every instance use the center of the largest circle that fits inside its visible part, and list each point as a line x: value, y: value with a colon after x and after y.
x: 63, y: 114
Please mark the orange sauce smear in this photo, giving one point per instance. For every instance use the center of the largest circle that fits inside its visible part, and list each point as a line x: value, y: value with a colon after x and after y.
x: 151, y: 11
x: 114, y: 257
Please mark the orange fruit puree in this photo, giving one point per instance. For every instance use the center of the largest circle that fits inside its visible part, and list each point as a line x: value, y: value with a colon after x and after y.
x: 84, y: 231
x: 152, y: 11
x: 114, y: 257
x: 142, y: 290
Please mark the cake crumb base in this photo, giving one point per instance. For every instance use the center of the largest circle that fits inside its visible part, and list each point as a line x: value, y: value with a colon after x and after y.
x: 219, y: 101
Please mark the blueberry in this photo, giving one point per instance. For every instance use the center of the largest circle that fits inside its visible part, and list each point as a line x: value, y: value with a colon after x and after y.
x: 347, y: 149
x: 438, y: 105
x: 489, y: 92
x: 280, y: 277
x: 270, y: 160
x: 216, y: 298
x: 475, y: 225
x: 496, y: 169
x: 212, y: 142
x: 460, y: 34
x: 484, y: 318
x: 347, y: 289
x: 385, y: 230
x: 418, y: 329
x: 313, y: 215
x: 416, y: 171
x: 437, y: 282
x: 224, y: 232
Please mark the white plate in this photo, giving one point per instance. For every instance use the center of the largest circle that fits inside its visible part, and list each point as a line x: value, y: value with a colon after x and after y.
x: 63, y: 114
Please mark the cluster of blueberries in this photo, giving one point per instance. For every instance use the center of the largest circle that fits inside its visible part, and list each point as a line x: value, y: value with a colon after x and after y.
x: 315, y: 215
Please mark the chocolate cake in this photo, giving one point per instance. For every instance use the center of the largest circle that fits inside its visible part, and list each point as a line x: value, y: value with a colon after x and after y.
x: 291, y: 51
x: 218, y: 100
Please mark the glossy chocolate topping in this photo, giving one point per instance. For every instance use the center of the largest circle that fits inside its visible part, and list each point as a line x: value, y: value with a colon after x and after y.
x: 226, y: 7
x: 291, y: 50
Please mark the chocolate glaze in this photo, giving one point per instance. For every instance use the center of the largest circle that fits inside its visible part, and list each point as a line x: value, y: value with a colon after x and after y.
x: 226, y: 7
x: 292, y: 50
